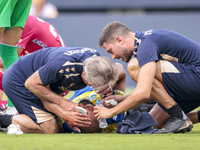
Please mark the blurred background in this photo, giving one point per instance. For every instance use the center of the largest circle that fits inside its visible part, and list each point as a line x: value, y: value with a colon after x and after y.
x: 80, y: 22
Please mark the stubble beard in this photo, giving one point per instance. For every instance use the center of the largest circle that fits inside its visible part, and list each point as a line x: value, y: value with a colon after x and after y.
x: 126, y: 54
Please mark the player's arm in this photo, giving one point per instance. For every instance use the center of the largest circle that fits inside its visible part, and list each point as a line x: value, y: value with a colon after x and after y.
x: 1, y: 64
x: 137, y: 97
x: 69, y: 116
x: 35, y: 85
x: 133, y: 70
x: 19, y: 51
x: 54, y: 101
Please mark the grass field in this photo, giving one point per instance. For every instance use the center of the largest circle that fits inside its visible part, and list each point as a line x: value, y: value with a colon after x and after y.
x: 104, y: 141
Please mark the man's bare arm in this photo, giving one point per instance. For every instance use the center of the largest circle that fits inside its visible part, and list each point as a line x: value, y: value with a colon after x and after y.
x: 1, y: 63
x: 138, y: 96
x: 133, y: 70
x: 65, y: 109
x: 73, y: 119
x: 19, y: 51
x: 35, y: 85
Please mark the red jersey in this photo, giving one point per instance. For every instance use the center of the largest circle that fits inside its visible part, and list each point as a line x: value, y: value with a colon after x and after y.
x: 38, y: 34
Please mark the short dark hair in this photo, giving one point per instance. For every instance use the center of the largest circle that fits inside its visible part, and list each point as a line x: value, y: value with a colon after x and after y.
x: 111, y: 30
x: 94, y: 126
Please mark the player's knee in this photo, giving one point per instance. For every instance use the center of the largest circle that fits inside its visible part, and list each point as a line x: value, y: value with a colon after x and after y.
x: 12, y: 36
x: 50, y: 127
x: 133, y: 64
x: 133, y: 69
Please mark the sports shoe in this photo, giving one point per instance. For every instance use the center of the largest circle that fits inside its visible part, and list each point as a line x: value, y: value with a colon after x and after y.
x: 176, y: 125
x: 11, y: 110
x: 14, y: 129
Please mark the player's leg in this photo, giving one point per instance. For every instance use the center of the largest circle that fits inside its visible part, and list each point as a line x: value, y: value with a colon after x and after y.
x: 158, y: 88
x: 159, y: 115
x: 4, y: 17
x: 43, y: 122
x: 156, y: 112
x: 174, y: 77
x: 33, y: 117
x: 29, y: 126
x: 8, y: 46
x: 8, y: 54
x: 6, y: 8
x: 15, y: 13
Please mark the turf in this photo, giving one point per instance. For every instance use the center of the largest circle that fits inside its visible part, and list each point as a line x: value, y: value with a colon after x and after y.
x: 186, y: 141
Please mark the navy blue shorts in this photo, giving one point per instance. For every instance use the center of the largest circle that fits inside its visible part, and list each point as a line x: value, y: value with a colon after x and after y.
x: 182, y: 82
x: 23, y: 99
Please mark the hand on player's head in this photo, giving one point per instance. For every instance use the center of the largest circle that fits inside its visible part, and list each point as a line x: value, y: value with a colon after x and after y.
x: 107, y: 90
x: 94, y: 126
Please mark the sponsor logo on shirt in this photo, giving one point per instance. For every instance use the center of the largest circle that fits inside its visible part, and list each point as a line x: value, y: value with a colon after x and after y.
x: 79, y: 51
x: 149, y: 32
x: 39, y: 43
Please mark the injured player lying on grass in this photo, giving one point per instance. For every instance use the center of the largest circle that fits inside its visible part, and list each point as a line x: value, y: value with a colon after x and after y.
x: 85, y: 106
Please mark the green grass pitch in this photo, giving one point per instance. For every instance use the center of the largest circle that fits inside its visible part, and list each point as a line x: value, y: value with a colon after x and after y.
x: 104, y: 141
